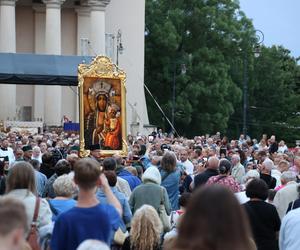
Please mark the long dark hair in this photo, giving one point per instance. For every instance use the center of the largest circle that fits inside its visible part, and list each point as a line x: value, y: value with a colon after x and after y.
x: 214, y: 220
x: 168, y: 162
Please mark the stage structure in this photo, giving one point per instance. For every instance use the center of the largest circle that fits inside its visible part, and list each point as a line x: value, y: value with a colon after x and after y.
x: 102, y: 101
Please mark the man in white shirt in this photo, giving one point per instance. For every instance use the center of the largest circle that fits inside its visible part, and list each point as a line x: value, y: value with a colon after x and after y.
x: 5, y: 150
x: 238, y: 170
x: 189, y: 167
x: 284, y: 196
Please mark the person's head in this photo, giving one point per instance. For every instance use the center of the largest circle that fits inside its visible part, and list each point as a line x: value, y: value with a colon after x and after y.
x: 86, y: 173
x: 212, y: 216
x: 168, y: 161
x: 93, y: 245
x: 95, y: 151
x: 224, y: 166
x: 257, y: 189
x: 119, y: 160
x: 19, y: 154
x: 36, y: 152
x: 146, y: 228
x: 212, y: 151
x: 184, y: 200
x: 47, y: 158
x: 213, y: 163
x: 281, y: 143
x: 235, y: 159
x: 287, y: 176
x: 132, y: 170
x: 72, y: 159
x: 64, y: 186
x: 109, y: 164
x: 13, y: 223
x: 183, y: 155
x: 101, y: 102
x: 267, y: 166
x: 21, y: 176
x: 111, y: 177
x: 4, y: 143
x: 152, y: 174
x: 35, y: 164
x: 155, y: 160
x: 272, y: 139
x: 210, y: 141
x: 250, y: 175
x: 62, y: 167
x: 27, y: 152
x: 43, y: 147
x: 261, y: 155
x: 197, y: 152
x: 74, y: 150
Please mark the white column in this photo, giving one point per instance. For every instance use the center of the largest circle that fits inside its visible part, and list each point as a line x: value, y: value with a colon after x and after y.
x: 83, y: 26
x: 7, y: 45
x: 97, y: 32
x: 83, y: 31
x: 39, y: 42
x: 53, y: 94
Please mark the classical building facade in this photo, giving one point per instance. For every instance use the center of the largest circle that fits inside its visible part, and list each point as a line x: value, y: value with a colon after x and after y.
x: 68, y: 27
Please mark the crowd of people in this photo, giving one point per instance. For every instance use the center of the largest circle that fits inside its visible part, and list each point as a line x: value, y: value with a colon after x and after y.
x: 168, y: 193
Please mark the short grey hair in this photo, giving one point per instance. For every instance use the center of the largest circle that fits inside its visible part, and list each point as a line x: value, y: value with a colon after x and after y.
x: 36, y: 149
x: 236, y: 157
x: 269, y: 164
x: 64, y: 186
x: 251, y: 174
x: 288, y: 176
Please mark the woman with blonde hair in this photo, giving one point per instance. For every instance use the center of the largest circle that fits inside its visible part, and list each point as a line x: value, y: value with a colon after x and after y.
x: 146, y: 230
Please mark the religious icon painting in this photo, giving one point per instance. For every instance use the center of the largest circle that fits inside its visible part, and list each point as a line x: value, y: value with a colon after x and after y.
x: 102, y: 108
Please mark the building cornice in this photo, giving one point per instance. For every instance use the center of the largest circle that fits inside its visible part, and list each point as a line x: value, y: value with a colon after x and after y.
x: 53, y: 4
x: 39, y: 8
x: 8, y: 2
x: 96, y: 4
x: 83, y: 11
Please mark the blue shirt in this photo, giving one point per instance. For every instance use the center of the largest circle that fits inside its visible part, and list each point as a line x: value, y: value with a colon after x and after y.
x: 59, y: 206
x: 146, y: 161
x: 132, y: 180
x: 40, y: 180
x: 127, y: 215
x: 171, y: 183
x: 289, y: 232
x: 79, y: 224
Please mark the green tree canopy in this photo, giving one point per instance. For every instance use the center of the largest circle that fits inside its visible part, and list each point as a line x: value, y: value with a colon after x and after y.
x: 211, y: 38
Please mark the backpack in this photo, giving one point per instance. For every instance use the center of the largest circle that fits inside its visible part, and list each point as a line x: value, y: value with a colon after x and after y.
x: 33, y: 237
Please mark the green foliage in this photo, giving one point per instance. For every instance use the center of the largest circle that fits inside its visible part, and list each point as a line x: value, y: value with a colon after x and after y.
x: 212, y: 38
x: 275, y: 99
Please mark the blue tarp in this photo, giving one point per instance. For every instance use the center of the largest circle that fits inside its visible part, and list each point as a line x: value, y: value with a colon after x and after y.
x: 34, y: 69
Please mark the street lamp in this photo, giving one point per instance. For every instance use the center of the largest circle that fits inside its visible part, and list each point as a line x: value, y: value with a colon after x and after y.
x: 256, y: 51
x: 120, y: 47
x: 183, y: 72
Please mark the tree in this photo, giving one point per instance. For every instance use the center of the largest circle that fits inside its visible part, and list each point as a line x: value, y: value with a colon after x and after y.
x: 205, y: 35
x: 274, y: 99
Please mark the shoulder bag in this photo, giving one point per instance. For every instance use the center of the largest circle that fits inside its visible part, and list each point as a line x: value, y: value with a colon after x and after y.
x: 163, y: 214
x: 33, y: 237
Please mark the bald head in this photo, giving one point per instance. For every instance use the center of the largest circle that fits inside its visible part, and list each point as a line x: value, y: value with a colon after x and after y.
x: 213, y: 163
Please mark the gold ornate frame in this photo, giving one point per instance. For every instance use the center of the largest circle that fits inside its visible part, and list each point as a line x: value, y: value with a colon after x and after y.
x: 101, y: 68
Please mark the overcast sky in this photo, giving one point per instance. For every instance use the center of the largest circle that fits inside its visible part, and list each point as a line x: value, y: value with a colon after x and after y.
x: 278, y: 19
